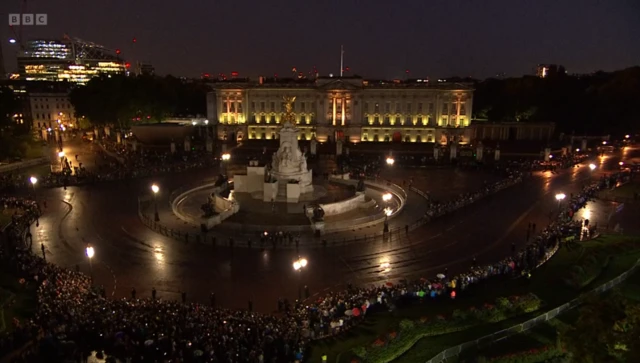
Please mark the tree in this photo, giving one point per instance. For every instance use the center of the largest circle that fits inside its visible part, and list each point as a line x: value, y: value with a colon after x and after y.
x: 607, y: 330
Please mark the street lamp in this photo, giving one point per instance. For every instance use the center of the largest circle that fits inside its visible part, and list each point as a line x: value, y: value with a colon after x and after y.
x: 626, y: 136
x: 386, y: 197
x: 155, y: 189
x: 592, y: 166
x: 390, y: 161
x: 206, y: 122
x: 61, y: 154
x: 299, y: 265
x: 560, y: 197
x: 90, y: 253
x: 225, y: 158
x: 33, y: 181
x: 604, y: 143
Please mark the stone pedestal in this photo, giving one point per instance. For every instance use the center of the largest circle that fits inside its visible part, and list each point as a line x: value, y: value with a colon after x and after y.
x: 107, y: 131
x: 436, y: 152
x: 187, y: 144
x: 497, y: 155
x: 565, y: 151
x: 173, y: 147
x: 118, y: 137
x: 547, y: 154
x: 318, y: 227
x: 314, y: 147
x: 583, y: 145
x: 338, y: 147
x: 453, y: 151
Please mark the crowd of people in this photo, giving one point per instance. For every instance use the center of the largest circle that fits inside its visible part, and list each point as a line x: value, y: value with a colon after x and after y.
x: 73, y: 318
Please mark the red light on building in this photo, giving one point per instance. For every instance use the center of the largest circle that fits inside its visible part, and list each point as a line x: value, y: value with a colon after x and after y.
x: 206, y: 75
x: 407, y: 71
x: 135, y: 40
x: 128, y: 65
x: 275, y: 75
x: 148, y: 117
x: 347, y: 69
x: 117, y: 51
x: 234, y: 74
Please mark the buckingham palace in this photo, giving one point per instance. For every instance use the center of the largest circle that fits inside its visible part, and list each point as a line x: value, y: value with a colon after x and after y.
x: 349, y: 109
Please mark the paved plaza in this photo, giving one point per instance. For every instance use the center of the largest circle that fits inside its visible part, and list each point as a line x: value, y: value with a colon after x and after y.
x: 128, y: 254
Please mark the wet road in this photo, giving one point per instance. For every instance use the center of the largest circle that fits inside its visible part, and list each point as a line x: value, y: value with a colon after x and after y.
x: 130, y: 255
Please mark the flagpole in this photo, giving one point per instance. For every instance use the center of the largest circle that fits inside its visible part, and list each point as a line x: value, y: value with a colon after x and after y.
x: 341, y: 60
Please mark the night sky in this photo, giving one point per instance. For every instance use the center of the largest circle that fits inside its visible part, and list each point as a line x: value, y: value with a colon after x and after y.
x: 382, y: 38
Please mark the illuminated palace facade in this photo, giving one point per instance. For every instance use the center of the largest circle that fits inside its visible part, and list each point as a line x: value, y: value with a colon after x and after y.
x: 346, y: 109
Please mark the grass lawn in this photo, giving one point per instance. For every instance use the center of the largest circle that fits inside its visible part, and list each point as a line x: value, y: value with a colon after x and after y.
x: 16, y: 301
x: 625, y: 191
x: 614, y: 255
x: 39, y: 171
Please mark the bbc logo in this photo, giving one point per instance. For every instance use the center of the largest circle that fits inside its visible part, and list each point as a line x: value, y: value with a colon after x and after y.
x: 27, y: 19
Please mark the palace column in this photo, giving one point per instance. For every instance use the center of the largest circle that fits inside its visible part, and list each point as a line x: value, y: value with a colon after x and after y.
x: 458, y: 107
x: 344, y: 100
x: 333, y: 119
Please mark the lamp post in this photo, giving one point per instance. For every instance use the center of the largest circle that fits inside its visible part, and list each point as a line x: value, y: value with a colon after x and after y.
x: 33, y: 181
x: 225, y: 159
x: 560, y: 197
x: 155, y: 189
x: 390, y: 161
x: 592, y: 166
x: 299, y: 265
x: 90, y: 253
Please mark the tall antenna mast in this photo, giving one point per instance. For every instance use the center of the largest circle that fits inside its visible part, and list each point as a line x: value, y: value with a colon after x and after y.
x: 341, y: 60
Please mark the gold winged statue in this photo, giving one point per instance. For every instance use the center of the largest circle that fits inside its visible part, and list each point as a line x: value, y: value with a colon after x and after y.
x: 288, y: 109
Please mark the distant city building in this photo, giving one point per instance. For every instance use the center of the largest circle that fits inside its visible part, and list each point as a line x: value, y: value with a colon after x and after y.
x: 549, y: 70
x: 71, y: 60
x: 348, y: 109
x: 52, y: 110
x: 147, y: 69
x: 22, y: 91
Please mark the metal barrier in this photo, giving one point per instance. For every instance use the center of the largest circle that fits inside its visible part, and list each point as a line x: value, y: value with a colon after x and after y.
x: 519, y: 328
x: 394, y: 234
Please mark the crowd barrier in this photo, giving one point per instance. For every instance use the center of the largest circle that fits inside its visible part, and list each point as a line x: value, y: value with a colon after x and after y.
x: 519, y: 328
x: 396, y: 234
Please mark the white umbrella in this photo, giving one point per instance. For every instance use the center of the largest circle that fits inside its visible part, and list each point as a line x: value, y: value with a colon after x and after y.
x: 440, y: 276
x: 148, y: 342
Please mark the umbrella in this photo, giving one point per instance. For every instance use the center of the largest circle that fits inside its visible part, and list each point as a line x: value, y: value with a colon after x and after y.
x: 390, y: 284
x: 348, y: 313
x: 440, y: 276
x: 356, y: 312
x: 198, y: 353
x: 421, y: 293
x: 148, y: 342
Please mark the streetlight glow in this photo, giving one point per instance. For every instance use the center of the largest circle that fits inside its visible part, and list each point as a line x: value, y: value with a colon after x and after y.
x: 12, y: 41
x: 560, y: 196
x: 155, y: 188
x: 621, y: 163
x: 300, y: 263
x: 61, y: 154
x: 90, y: 252
x: 206, y: 122
x: 33, y: 180
x: 592, y: 166
x: 604, y: 143
x: 577, y: 150
x: 626, y: 136
x: 226, y: 157
x: 386, y: 197
x: 193, y: 123
x: 390, y: 160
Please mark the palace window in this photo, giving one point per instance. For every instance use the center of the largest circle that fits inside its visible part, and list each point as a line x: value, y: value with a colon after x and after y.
x: 407, y: 120
x: 419, y: 121
x: 375, y: 138
x: 386, y: 120
x: 224, y: 106
x: 387, y: 107
x: 418, y: 138
x: 366, y: 107
x: 273, y: 107
x: 263, y: 119
x: 420, y: 107
x: 273, y: 119
x: 253, y: 135
x: 376, y: 108
x: 431, y: 107
x: 302, y: 105
x: 303, y: 119
x: 253, y: 107
x: 407, y: 138
x: 398, y: 120
x: 408, y: 108
x: 445, y: 108
x: 463, y: 110
x: 365, y: 137
x: 253, y: 118
x: 262, y: 106
x: 376, y: 120
x: 397, y: 107
x: 273, y: 135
